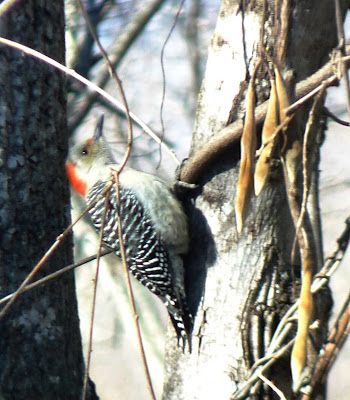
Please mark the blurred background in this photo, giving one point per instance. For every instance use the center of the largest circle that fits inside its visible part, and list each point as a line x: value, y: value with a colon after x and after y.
x: 135, y: 34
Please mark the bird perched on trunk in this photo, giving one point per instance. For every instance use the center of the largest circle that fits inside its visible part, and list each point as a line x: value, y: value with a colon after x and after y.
x: 154, y: 225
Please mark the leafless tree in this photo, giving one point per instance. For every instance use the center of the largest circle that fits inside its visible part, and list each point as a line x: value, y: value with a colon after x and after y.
x: 243, y: 288
x: 41, y: 352
x: 243, y: 284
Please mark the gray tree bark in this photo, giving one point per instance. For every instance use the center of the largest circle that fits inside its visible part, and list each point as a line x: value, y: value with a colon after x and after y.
x: 40, y: 344
x: 240, y: 286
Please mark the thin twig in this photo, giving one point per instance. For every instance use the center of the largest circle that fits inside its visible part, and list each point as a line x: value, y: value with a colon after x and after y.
x: 338, y: 334
x: 193, y: 18
x: 130, y: 291
x: 242, y: 392
x: 332, y: 263
x: 320, y: 280
x: 6, y: 6
x: 172, y: 28
x: 231, y: 134
x: 306, y: 159
x: 93, y: 306
x: 334, y: 117
x: 342, y: 48
x: 306, y: 178
x: 117, y: 52
x: 293, y: 107
x: 70, y: 72
x: 55, y: 275
x: 284, y: 18
x: 272, y: 386
x: 262, y: 31
x: 264, y: 368
x: 47, y: 255
x: 115, y: 76
x: 284, y: 327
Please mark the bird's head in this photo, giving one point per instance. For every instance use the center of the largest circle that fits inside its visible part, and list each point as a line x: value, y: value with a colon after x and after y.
x: 84, y: 160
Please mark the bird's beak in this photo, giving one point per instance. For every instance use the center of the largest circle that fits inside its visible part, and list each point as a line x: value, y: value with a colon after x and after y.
x: 99, y: 128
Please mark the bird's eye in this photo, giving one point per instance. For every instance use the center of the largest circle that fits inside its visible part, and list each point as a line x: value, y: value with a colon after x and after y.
x: 84, y: 151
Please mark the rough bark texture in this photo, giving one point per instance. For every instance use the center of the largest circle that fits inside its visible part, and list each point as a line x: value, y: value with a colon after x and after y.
x: 242, y: 285
x: 40, y: 344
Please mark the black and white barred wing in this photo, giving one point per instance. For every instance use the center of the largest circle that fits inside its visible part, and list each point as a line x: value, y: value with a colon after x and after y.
x: 146, y: 256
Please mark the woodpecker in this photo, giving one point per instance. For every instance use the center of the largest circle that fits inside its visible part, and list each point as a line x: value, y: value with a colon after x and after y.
x: 154, y: 225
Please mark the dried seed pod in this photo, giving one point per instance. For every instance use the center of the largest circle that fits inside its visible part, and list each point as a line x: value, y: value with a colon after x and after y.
x: 248, y: 149
x: 291, y: 149
x: 262, y: 168
x: 305, y: 311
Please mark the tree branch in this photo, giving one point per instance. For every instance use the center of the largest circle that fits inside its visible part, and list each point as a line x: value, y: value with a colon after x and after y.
x: 117, y: 52
x: 232, y: 133
x: 331, y: 349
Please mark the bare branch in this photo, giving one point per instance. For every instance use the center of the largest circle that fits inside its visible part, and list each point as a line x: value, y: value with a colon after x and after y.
x: 231, y: 134
x: 6, y: 6
x: 276, y: 348
x: 338, y: 334
x: 335, y: 118
x: 117, y: 52
x: 115, y: 76
x: 47, y: 255
x: 130, y: 291
x: 342, y: 48
x: 272, y: 386
x: 70, y: 72
x: 94, y: 296
x: 55, y: 275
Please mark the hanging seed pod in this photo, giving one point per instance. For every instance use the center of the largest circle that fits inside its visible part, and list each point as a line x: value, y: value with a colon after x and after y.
x: 248, y: 149
x: 262, y: 169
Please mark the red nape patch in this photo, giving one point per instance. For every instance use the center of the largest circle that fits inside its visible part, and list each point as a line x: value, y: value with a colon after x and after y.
x: 78, y: 184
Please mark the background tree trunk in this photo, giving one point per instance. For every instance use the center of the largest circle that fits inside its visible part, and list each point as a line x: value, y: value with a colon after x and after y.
x: 246, y: 280
x: 40, y: 344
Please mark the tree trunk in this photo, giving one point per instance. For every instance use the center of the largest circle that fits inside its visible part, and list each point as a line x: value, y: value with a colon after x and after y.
x: 241, y: 285
x: 40, y: 344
